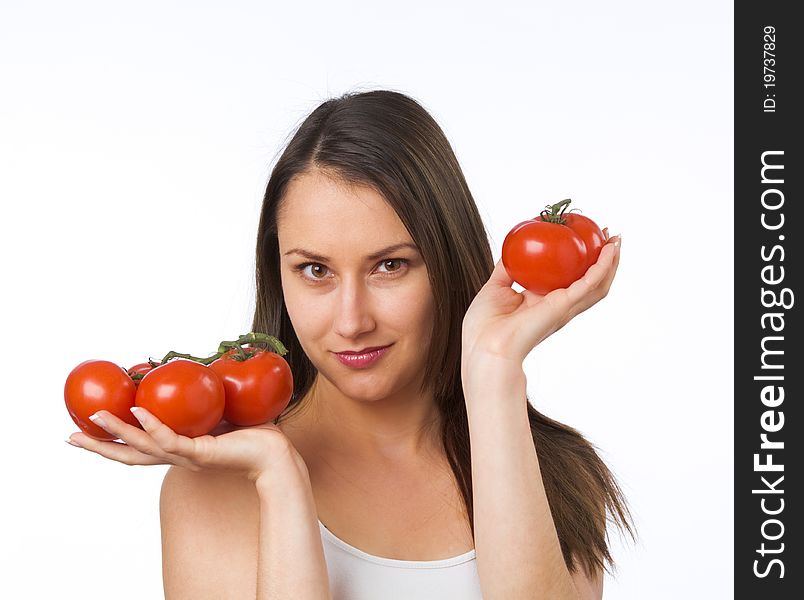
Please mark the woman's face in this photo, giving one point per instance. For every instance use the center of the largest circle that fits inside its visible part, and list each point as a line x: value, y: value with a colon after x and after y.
x: 344, y: 291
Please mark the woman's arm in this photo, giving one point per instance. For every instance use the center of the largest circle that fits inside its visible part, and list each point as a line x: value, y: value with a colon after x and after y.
x: 208, y: 523
x: 223, y: 540
x: 291, y: 555
x: 518, y: 553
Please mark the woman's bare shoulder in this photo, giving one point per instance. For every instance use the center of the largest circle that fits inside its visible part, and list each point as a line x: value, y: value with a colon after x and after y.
x: 217, y: 500
x: 206, y: 515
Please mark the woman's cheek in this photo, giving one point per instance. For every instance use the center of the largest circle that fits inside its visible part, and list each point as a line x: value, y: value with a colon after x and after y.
x: 410, y: 309
x: 306, y: 314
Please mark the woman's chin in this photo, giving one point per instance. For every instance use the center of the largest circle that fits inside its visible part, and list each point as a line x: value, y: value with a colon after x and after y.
x: 363, y: 393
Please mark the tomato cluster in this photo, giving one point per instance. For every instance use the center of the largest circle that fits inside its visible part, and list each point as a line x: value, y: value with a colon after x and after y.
x: 551, y: 250
x: 243, y: 386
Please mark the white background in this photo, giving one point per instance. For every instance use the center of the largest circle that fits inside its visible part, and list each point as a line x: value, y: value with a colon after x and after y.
x: 135, y: 143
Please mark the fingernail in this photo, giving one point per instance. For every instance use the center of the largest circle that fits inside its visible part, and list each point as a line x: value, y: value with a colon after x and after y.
x: 98, y: 421
x: 138, y: 414
x: 72, y: 443
x: 618, y: 240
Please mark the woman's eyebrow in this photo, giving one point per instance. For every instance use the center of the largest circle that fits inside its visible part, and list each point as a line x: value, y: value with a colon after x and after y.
x: 373, y: 256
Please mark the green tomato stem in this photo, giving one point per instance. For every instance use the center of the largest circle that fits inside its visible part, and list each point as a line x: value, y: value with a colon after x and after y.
x: 203, y: 361
x: 252, y: 338
x: 225, y: 346
x: 554, y: 213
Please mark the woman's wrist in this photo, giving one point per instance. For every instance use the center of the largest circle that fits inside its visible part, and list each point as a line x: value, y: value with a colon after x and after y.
x: 289, y: 534
x: 482, y: 370
x: 287, y: 475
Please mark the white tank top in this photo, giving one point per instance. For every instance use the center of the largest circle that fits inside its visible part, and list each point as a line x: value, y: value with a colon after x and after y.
x: 358, y: 575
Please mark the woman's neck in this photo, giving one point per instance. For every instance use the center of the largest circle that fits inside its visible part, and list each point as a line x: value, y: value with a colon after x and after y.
x: 396, y: 430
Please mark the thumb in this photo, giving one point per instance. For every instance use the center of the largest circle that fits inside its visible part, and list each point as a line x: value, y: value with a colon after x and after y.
x: 499, y: 276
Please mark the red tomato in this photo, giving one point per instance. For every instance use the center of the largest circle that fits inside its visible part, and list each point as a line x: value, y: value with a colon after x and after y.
x: 257, y: 389
x: 139, y: 369
x: 99, y: 385
x: 590, y: 233
x: 543, y: 256
x: 185, y: 395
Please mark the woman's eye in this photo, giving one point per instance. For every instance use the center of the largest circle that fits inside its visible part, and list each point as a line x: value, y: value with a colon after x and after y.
x: 316, y: 270
x: 393, y: 261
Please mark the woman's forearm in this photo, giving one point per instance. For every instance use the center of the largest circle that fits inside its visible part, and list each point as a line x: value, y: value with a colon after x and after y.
x: 518, y: 552
x: 291, y: 560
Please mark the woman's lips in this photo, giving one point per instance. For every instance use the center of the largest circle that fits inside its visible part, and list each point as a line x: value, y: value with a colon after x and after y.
x: 361, y: 361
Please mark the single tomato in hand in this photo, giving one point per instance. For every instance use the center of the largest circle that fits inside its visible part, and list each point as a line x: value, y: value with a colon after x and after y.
x: 184, y: 395
x: 552, y: 250
x: 257, y: 389
x: 99, y: 385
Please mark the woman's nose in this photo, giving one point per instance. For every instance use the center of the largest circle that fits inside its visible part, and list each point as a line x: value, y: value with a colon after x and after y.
x: 353, y: 312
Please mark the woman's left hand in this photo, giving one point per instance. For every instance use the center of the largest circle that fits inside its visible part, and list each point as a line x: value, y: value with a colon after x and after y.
x: 508, y: 324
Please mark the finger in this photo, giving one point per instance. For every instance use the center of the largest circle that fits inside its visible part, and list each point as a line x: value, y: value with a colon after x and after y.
x: 617, y: 241
x: 165, y: 438
x: 612, y: 271
x: 115, y: 450
x: 598, y: 276
x: 499, y: 276
x: 137, y: 438
x: 154, y: 439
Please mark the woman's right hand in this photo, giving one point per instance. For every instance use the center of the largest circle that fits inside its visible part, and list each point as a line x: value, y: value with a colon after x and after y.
x: 251, y: 451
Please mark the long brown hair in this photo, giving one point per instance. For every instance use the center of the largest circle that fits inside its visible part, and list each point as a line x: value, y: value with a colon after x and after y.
x: 387, y: 140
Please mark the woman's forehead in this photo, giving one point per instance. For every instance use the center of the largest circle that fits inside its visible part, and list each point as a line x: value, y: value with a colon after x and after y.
x: 317, y: 211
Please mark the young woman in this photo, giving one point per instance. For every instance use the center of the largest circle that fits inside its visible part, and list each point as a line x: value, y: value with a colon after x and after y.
x: 409, y: 462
